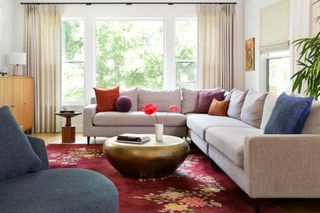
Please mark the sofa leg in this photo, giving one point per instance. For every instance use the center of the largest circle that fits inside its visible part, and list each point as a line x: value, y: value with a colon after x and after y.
x: 257, y: 205
x: 88, y: 140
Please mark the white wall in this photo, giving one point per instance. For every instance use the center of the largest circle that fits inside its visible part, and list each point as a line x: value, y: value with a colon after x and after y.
x: 299, y: 27
x: 6, y: 32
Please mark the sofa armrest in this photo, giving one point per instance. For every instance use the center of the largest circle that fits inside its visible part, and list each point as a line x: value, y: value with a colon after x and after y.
x: 88, y: 113
x: 283, y: 165
x: 39, y: 147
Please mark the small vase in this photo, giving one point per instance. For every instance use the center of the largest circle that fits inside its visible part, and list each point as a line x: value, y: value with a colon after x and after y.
x: 158, y: 131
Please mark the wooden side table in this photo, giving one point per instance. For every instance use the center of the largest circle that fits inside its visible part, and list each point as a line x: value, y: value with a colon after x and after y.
x: 68, y: 131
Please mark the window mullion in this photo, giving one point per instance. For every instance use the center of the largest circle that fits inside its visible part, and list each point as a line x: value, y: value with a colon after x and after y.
x: 169, y: 76
x: 89, y: 60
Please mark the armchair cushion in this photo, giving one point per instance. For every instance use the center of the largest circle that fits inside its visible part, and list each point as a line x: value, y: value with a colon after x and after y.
x: 39, y: 148
x: 17, y: 155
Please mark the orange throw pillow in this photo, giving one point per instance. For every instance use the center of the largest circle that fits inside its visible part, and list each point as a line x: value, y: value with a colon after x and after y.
x: 106, y: 99
x: 219, y: 108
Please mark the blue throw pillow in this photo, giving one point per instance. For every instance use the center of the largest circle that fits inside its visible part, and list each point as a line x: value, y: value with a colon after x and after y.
x: 288, y: 115
x: 16, y: 154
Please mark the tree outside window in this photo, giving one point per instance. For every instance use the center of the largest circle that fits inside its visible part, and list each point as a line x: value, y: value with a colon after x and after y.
x: 129, y: 53
x: 72, y: 86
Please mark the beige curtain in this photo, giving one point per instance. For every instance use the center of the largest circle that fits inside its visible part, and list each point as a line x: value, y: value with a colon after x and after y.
x: 216, y: 45
x: 42, y: 45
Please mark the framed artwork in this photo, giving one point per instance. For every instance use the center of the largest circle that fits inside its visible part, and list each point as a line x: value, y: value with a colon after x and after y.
x: 250, y: 54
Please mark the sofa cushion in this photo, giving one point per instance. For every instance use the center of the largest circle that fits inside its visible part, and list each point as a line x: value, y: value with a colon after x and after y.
x: 230, y: 141
x: 199, y: 123
x: 59, y: 190
x: 205, y: 99
x: 162, y: 98
x: 252, y: 108
x: 190, y: 99
x: 218, y: 108
x: 137, y: 118
x: 288, y: 115
x: 236, y: 102
x: 123, y: 104
x: 17, y: 155
x: 106, y: 98
x: 267, y: 109
x: 312, y: 123
x: 131, y: 93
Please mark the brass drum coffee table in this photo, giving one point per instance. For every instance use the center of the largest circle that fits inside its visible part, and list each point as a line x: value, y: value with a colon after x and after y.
x: 152, y: 159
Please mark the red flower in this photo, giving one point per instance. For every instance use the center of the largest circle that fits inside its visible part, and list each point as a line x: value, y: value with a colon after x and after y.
x: 149, y: 109
x: 173, y: 108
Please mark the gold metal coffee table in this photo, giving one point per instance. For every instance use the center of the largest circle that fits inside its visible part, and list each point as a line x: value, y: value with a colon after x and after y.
x: 152, y: 159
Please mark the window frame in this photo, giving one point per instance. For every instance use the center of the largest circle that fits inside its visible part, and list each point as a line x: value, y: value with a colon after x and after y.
x: 169, y: 42
x: 282, y: 54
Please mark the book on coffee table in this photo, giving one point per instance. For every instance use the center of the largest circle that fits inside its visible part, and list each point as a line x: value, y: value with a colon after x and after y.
x: 133, y: 137
x: 134, y: 142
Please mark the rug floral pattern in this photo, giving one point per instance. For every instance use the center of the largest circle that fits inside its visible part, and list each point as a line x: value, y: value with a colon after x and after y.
x: 177, y: 200
x: 194, y: 187
x: 74, y: 155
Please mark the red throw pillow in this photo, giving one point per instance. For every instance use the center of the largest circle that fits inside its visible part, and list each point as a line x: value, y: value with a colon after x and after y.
x: 219, y: 108
x: 106, y: 99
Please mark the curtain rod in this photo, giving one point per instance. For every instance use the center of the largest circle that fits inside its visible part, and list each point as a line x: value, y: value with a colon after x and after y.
x: 126, y: 3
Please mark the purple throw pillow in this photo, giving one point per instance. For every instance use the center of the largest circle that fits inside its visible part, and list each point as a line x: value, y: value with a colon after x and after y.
x: 205, y: 99
x: 123, y: 104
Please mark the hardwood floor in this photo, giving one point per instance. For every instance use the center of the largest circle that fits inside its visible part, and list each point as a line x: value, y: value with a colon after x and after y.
x: 285, y: 205
x: 55, y: 138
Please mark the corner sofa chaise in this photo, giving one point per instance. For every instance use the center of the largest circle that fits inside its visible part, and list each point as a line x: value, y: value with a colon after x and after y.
x: 264, y: 166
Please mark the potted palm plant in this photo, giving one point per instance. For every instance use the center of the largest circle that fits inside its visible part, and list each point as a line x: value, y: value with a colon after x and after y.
x: 309, y: 61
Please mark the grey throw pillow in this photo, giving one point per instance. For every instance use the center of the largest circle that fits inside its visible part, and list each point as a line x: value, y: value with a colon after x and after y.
x: 236, y: 102
x: 162, y: 98
x: 252, y: 109
x: 17, y: 156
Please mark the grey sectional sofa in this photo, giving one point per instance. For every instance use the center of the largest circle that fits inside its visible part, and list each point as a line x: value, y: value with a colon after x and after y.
x: 264, y: 166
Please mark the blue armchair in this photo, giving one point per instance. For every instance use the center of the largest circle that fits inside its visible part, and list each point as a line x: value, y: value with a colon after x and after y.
x: 57, y: 190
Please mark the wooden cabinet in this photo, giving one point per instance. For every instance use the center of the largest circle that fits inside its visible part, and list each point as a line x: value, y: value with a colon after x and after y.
x: 18, y: 94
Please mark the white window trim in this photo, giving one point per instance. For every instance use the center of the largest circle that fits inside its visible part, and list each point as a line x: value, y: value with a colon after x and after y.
x: 169, y: 14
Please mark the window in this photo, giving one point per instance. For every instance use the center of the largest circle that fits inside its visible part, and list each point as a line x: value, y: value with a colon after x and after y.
x: 72, y: 61
x: 278, y: 72
x: 129, y: 53
x: 186, y: 53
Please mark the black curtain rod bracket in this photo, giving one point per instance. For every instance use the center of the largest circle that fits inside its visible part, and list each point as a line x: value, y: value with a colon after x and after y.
x: 125, y: 3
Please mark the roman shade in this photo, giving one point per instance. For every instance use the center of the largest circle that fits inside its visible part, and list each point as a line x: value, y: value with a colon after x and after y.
x: 274, y: 30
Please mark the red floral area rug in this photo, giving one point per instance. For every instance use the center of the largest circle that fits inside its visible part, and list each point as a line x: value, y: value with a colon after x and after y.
x: 195, y: 187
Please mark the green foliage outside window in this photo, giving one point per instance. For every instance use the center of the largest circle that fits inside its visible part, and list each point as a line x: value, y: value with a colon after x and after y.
x: 130, y: 54
x: 72, y: 61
